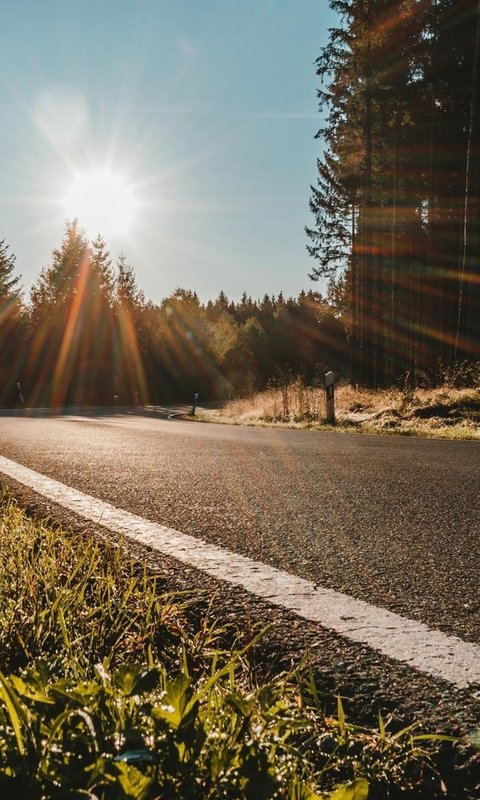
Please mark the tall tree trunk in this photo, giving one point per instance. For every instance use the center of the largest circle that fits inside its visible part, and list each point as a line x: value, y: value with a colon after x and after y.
x: 367, y: 287
x: 467, y: 339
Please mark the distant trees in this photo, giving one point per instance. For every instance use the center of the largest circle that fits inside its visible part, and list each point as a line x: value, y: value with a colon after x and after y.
x: 9, y: 283
x: 88, y: 336
x: 130, y: 341
x: 395, y: 231
x: 11, y: 326
x: 396, y: 200
x: 70, y: 324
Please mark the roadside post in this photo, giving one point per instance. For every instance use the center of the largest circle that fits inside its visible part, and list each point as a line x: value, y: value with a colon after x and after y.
x: 330, y: 397
x: 21, y: 399
x: 194, y: 407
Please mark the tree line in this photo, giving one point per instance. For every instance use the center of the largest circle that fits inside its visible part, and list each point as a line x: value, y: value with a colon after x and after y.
x: 397, y: 201
x: 87, y: 335
x: 395, y: 232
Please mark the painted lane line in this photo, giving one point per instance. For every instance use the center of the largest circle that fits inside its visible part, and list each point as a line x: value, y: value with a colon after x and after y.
x: 430, y: 651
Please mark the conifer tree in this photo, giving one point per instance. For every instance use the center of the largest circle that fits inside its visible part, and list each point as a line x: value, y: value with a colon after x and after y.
x: 127, y: 293
x: 71, y: 323
x: 100, y: 270
x: 131, y: 345
x: 390, y: 198
x: 12, y: 333
x: 9, y: 283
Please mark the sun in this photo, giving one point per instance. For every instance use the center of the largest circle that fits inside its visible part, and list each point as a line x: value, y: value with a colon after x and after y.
x: 102, y: 202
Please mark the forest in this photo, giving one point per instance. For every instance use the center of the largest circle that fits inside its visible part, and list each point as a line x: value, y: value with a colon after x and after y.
x: 396, y: 206
x: 88, y: 336
x: 394, y: 240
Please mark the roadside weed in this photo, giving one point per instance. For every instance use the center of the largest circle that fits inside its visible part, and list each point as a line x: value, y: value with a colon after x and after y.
x: 448, y: 411
x: 110, y: 689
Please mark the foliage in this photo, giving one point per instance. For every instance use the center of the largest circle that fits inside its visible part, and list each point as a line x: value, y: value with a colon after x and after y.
x: 396, y: 205
x: 72, y: 598
x: 9, y: 288
x: 443, y: 411
x: 12, y: 326
x: 93, y: 339
x: 70, y: 324
x: 135, y: 732
x: 461, y: 374
x: 395, y: 231
x: 107, y: 690
x: 89, y: 337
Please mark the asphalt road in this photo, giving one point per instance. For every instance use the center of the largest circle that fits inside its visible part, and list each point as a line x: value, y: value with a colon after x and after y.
x: 394, y: 521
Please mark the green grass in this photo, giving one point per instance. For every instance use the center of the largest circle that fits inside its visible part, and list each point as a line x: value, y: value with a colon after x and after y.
x: 109, y: 689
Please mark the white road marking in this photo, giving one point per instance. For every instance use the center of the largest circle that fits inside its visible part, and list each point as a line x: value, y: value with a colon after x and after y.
x: 430, y: 651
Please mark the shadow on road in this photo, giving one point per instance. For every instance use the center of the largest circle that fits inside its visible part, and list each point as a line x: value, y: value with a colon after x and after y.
x: 153, y: 411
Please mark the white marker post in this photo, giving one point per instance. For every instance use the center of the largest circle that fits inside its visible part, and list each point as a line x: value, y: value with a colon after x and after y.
x: 330, y: 397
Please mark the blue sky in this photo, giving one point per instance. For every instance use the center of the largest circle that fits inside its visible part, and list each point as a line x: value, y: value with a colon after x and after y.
x: 206, y: 108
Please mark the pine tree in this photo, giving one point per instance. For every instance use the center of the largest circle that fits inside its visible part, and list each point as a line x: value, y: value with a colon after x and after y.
x: 71, y: 323
x: 467, y: 339
x: 12, y: 333
x: 222, y: 302
x: 59, y: 282
x: 131, y: 348
x: 390, y: 198
x: 9, y: 283
x: 100, y: 271
x: 56, y: 312
x: 94, y: 379
x: 127, y: 293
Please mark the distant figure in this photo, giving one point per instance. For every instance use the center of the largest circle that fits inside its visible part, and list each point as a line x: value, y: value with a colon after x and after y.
x: 21, y: 399
x: 135, y: 397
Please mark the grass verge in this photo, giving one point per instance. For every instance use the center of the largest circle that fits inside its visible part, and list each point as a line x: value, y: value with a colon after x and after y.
x: 446, y: 412
x: 109, y: 691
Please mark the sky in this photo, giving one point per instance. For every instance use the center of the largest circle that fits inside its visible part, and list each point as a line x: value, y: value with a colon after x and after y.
x: 202, y: 113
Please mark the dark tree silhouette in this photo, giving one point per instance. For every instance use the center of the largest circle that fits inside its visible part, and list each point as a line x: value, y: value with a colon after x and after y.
x: 396, y: 200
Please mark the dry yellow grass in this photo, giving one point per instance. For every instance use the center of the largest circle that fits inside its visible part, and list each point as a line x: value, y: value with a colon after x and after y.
x: 444, y: 412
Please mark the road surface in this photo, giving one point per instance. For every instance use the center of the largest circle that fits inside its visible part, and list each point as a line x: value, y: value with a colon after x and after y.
x: 388, y: 520
x: 395, y: 521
